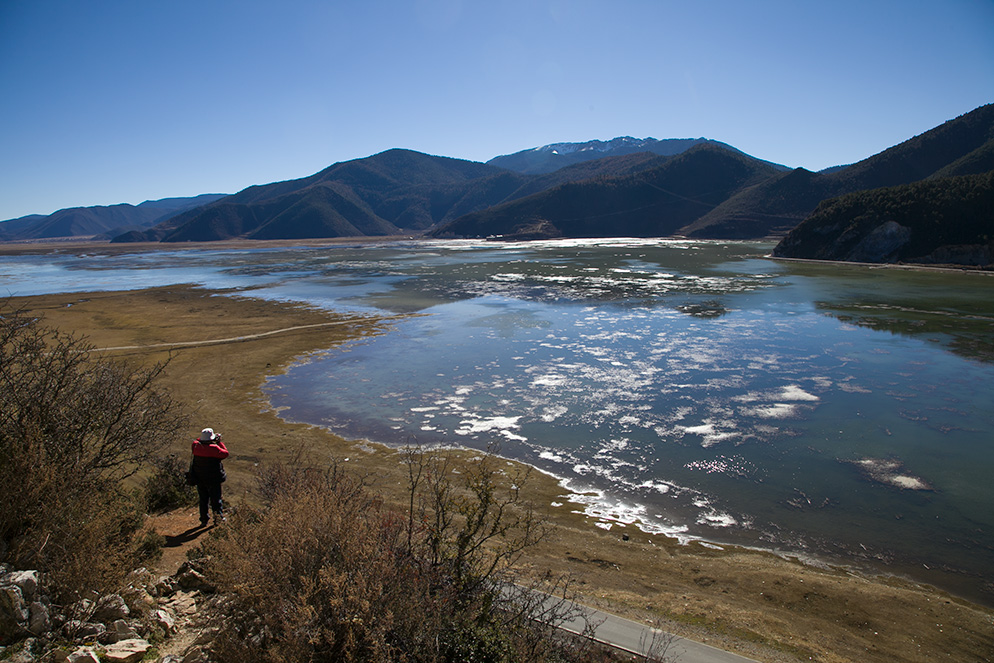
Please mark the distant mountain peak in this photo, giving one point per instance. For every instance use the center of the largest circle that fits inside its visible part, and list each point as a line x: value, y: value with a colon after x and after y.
x: 552, y: 157
x: 623, y: 142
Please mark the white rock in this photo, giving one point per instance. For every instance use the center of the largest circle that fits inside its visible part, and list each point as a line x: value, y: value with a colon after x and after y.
x: 127, y: 651
x: 164, y: 620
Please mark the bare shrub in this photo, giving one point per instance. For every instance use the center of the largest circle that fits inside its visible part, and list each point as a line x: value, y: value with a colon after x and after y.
x: 477, y: 528
x: 324, y: 572
x: 72, y: 427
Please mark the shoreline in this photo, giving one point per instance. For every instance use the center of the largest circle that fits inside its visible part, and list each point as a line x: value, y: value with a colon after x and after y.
x: 75, y: 245
x: 595, y: 503
x: 765, y: 604
x: 906, y: 266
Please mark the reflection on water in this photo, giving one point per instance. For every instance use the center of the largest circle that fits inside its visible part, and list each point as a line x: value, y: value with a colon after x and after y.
x: 689, y: 388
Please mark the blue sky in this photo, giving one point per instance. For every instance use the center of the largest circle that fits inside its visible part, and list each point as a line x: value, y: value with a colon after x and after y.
x: 123, y: 101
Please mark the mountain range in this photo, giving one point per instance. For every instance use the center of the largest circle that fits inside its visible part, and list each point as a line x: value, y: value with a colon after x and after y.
x: 99, y: 222
x: 624, y: 187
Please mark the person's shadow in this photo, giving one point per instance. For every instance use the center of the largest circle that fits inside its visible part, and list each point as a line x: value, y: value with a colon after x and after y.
x: 177, y: 540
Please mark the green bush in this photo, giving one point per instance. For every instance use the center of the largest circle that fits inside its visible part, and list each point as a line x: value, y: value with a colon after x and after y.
x: 165, y: 485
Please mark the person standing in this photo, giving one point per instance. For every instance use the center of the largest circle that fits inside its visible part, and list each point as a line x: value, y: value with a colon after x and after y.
x: 208, y: 452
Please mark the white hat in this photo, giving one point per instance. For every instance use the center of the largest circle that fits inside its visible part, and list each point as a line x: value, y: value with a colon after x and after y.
x: 207, y: 435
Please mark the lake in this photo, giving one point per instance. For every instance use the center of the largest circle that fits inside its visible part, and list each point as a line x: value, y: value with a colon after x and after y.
x: 694, y: 389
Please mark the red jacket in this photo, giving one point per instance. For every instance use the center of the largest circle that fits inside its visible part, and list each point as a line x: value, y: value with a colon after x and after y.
x: 207, y: 457
x: 212, y: 449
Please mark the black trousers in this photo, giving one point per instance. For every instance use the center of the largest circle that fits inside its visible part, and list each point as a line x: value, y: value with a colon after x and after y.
x: 209, y: 491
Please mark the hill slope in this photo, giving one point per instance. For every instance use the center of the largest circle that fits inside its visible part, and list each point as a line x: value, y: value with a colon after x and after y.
x: 390, y: 192
x: 657, y: 200
x: 394, y: 192
x: 961, y: 146
x: 936, y: 221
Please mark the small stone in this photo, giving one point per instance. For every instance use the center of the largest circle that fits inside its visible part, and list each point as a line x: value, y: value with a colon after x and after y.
x: 192, y: 579
x: 139, y: 600
x: 183, y: 603
x: 165, y: 586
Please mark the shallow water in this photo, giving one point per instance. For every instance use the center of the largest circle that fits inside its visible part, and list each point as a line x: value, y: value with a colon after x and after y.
x: 689, y: 388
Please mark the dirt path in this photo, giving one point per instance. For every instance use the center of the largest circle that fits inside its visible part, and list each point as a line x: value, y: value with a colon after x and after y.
x: 233, y: 339
x: 182, y: 532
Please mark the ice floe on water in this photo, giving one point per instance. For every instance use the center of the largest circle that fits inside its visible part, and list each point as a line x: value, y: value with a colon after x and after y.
x: 795, y: 393
x: 713, y: 432
x: 606, y: 512
x: 503, y: 425
x: 891, y: 472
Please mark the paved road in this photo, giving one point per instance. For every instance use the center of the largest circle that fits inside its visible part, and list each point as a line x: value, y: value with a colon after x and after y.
x: 638, y: 638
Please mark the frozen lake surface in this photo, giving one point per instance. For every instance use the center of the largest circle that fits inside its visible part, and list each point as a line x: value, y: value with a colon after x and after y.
x: 690, y: 388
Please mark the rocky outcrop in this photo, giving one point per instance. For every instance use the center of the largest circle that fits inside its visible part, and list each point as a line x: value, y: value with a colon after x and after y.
x: 115, y: 627
x: 882, y: 244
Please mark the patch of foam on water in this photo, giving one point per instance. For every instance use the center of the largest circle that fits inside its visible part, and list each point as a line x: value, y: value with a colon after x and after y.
x: 596, y: 505
x: 711, y: 516
x: 660, y: 487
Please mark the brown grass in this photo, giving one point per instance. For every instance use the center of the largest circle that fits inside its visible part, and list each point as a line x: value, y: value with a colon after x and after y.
x: 759, y: 604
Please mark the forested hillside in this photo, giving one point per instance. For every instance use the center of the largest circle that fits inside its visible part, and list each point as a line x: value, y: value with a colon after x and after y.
x: 938, y: 221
